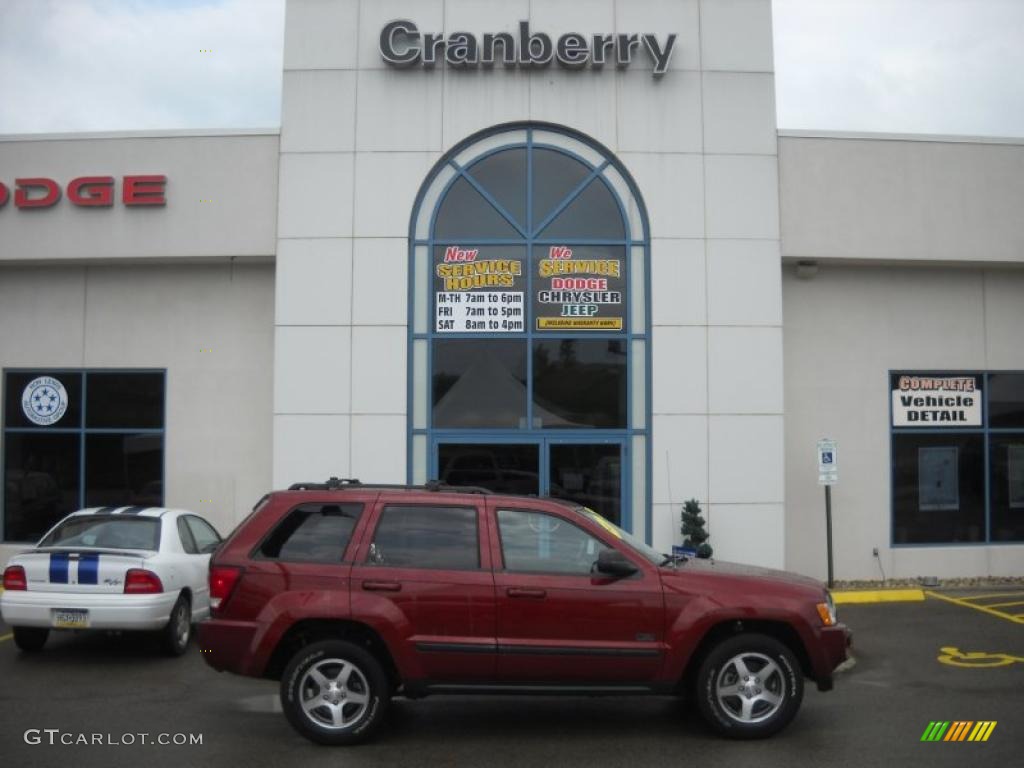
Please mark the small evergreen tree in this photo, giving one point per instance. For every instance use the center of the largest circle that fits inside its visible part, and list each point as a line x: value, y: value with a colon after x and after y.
x: 695, y: 537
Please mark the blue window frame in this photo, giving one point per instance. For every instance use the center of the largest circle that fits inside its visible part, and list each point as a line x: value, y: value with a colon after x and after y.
x: 518, y: 195
x: 956, y: 457
x: 74, y: 438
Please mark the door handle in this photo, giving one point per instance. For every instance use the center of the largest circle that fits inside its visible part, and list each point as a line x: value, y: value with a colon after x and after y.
x: 382, y: 586
x: 522, y: 592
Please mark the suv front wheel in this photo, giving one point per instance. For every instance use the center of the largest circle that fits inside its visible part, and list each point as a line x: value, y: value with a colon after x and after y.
x: 334, y: 692
x: 749, y: 686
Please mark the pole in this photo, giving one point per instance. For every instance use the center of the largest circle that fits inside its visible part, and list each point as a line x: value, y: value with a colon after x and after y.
x: 828, y: 531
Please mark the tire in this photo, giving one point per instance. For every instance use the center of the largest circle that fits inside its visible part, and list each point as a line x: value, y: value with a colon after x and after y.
x: 740, y: 702
x: 30, y: 639
x: 349, y: 681
x: 174, y: 637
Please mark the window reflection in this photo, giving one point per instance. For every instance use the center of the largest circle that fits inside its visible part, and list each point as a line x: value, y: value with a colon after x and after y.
x: 579, y: 383
x: 479, y: 384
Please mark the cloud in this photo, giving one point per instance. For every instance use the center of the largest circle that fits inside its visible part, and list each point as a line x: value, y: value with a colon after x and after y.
x: 901, y: 66
x: 96, y: 65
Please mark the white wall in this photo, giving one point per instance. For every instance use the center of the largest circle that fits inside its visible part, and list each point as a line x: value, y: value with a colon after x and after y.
x: 357, y: 140
x: 902, y: 199
x: 845, y: 329
x: 218, y: 423
x: 221, y: 193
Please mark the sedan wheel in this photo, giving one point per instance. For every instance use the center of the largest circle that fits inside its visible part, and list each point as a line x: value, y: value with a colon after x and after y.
x: 177, y: 633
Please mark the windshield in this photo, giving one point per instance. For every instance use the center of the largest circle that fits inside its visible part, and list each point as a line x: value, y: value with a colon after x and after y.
x: 634, y: 543
x: 105, y: 533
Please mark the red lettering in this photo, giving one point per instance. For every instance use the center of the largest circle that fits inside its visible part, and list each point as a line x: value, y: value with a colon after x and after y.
x: 579, y: 283
x: 143, y: 190
x: 560, y: 252
x: 454, y: 253
x: 4, y: 195
x: 90, y: 191
x: 49, y: 198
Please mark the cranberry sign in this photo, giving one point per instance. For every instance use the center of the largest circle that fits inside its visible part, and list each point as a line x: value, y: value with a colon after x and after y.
x: 86, y: 191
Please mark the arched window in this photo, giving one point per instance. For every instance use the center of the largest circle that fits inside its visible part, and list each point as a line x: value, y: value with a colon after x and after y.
x: 529, y: 322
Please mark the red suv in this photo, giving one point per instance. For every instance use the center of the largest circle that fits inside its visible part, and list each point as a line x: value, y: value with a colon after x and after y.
x: 350, y: 594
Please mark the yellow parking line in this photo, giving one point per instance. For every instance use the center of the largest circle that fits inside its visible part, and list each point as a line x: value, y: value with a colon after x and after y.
x: 984, y: 609
x: 1004, y: 605
x: 986, y: 597
x: 878, y: 596
x: 6, y: 637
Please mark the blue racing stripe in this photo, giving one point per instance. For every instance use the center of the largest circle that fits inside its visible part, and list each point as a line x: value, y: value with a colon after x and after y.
x: 89, y: 569
x: 58, y: 568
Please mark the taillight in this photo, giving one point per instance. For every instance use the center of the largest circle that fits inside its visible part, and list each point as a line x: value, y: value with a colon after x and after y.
x: 14, y: 578
x: 222, y: 581
x: 142, y: 582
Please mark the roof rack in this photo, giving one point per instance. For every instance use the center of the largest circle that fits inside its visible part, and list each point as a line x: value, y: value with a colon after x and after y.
x: 341, y: 483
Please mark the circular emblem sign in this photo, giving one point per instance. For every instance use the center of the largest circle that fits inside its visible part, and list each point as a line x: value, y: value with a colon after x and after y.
x: 44, y: 401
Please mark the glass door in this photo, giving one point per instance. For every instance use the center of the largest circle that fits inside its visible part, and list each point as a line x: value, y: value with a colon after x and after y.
x: 588, y: 472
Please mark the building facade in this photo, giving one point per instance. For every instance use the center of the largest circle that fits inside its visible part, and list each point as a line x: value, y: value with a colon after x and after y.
x: 544, y: 247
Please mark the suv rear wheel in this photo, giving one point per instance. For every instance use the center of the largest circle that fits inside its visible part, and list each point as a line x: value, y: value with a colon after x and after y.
x: 334, y: 692
x: 749, y: 686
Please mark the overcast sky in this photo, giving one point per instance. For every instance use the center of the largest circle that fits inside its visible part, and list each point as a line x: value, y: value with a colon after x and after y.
x: 903, y: 66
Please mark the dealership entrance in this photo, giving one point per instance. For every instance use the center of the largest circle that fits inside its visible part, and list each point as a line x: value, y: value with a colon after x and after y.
x: 589, y: 473
x: 529, y: 342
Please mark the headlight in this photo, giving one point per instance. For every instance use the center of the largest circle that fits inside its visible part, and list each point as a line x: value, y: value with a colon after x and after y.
x: 827, y: 610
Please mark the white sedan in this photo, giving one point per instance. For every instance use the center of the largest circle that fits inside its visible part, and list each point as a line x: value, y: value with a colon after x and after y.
x: 123, y: 568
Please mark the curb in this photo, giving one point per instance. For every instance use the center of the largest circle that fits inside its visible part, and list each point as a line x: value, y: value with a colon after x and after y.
x: 878, y: 596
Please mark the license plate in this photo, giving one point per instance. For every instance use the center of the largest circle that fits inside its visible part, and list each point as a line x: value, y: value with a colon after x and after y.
x: 66, y: 618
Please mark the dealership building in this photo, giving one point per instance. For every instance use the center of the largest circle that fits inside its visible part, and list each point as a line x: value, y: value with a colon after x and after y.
x: 552, y: 248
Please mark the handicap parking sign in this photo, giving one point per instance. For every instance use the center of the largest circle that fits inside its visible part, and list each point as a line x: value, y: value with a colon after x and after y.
x: 828, y: 464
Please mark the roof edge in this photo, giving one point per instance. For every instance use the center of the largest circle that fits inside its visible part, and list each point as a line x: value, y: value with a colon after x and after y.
x: 917, y: 137
x: 151, y: 134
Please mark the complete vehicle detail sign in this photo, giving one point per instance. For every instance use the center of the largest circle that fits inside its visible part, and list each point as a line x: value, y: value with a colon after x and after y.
x: 403, y: 45
x: 928, y: 400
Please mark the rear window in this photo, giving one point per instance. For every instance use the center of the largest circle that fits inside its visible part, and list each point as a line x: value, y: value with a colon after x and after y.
x: 106, y: 532
x: 312, y: 533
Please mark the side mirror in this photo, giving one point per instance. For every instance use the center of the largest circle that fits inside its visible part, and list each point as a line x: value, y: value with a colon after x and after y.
x: 611, y: 562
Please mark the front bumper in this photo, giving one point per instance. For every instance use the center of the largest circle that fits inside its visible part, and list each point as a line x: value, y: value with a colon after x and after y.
x: 831, y: 652
x: 110, y: 611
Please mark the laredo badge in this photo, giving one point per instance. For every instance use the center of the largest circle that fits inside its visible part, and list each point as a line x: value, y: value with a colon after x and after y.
x: 44, y: 401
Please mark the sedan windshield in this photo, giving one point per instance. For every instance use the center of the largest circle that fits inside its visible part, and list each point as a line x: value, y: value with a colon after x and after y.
x: 625, y: 536
x: 105, y: 532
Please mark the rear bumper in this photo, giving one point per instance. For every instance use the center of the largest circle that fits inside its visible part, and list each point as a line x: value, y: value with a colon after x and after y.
x: 227, y: 646
x: 833, y: 643
x: 113, y: 611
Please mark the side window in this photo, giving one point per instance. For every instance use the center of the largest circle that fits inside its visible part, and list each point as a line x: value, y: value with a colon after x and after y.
x: 534, y: 542
x: 205, y: 537
x: 427, y: 537
x: 187, y: 542
x: 313, y: 533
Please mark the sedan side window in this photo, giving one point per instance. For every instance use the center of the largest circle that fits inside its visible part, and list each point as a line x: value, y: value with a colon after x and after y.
x: 188, y: 543
x: 534, y: 542
x: 207, y: 539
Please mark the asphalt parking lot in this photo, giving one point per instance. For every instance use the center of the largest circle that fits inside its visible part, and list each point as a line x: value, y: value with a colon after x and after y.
x: 875, y: 716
